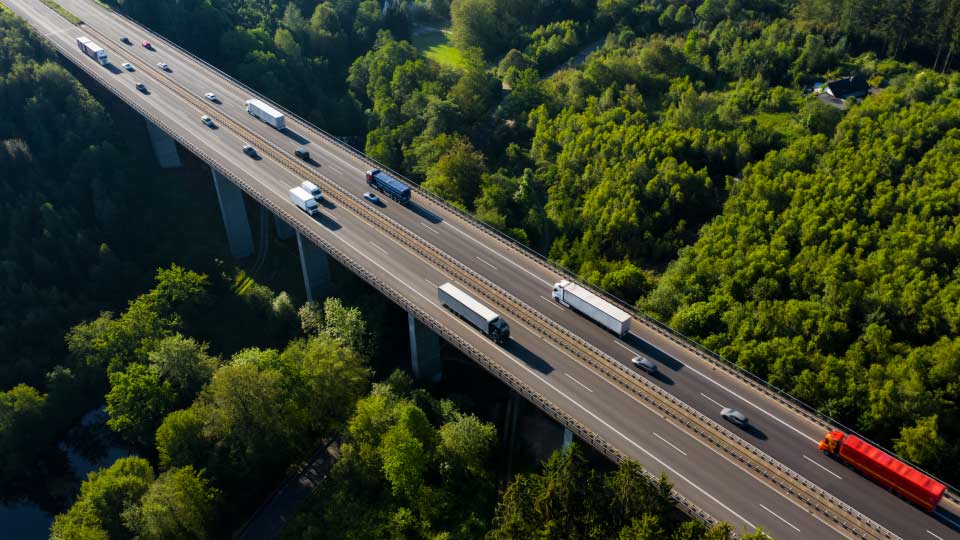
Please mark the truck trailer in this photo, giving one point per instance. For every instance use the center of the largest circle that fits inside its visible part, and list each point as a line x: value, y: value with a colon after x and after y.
x: 266, y: 113
x: 475, y: 313
x: 884, y: 469
x: 602, y: 312
x: 92, y: 50
x: 304, y: 201
x: 384, y: 183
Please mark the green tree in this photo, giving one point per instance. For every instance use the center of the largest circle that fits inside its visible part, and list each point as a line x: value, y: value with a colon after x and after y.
x: 178, y: 504
x: 137, y: 401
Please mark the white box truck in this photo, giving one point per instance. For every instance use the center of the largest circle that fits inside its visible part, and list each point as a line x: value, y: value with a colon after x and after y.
x: 312, y: 189
x: 265, y: 113
x: 92, y: 50
x: 304, y: 201
x: 580, y: 299
x: 475, y: 313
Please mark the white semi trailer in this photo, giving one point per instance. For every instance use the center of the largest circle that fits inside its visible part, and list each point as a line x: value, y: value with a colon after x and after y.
x: 580, y: 299
x: 265, y: 113
x: 92, y: 50
x: 474, y: 312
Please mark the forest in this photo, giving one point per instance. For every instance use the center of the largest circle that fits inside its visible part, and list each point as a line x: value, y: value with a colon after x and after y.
x: 683, y: 165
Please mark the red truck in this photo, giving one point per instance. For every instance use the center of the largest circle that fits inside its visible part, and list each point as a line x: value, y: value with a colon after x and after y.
x: 885, y: 469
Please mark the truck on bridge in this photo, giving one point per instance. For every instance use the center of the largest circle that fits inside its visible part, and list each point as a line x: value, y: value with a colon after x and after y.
x: 602, y: 312
x: 267, y: 114
x: 475, y: 313
x: 384, y: 183
x: 92, y: 50
x: 304, y: 200
x: 884, y: 469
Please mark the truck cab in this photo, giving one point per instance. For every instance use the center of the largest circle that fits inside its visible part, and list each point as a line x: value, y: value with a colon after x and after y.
x: 831, y: 442
x: 499, y: 330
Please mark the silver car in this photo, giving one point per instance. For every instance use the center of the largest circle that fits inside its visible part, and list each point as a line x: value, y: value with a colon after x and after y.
x: 127, y: 66
x: 734, y: 416
x: 163, y: 66
x: 643, y: 363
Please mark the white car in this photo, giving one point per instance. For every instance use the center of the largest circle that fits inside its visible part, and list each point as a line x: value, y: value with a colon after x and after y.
x: 211, y: 96
x: 644, y: 363
x: 207, y: 120
x: 371, y: 197
x: 127, y: 66
x: 163, y: 66
x: 734, y: 416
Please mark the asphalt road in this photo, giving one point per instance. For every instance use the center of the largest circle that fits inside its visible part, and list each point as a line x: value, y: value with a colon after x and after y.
x: 703, y: 475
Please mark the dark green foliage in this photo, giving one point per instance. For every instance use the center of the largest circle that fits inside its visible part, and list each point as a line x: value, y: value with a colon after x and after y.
x: 832, y: 271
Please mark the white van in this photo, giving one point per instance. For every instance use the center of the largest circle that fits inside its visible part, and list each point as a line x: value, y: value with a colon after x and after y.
x: 313, y: 190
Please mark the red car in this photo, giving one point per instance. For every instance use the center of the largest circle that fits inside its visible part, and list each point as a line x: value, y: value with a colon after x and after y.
x: 147, y: 45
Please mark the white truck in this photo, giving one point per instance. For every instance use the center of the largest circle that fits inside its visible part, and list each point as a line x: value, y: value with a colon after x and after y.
x: 304, y: 201
x: 602, y: 312
x: 312, y: 189
x: 92, y: 50
x: 265, y: 113
x: 475, y: 313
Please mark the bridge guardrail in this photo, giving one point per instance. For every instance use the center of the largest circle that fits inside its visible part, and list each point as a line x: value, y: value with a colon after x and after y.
x: 688, y: 343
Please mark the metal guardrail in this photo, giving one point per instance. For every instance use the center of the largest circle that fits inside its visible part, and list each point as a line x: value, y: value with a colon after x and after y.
x: 759, y: 384
x: 687, y: 506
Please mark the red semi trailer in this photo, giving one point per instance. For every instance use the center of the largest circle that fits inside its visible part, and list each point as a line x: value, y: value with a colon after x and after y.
x: 885, y: 469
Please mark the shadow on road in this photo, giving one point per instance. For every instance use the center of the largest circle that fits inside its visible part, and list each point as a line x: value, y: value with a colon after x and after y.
x: 654, y: 353
x: 424, y: 213
x: 327, y: 203
x: 660, y: 377
x: 528, y: 357
x: 113, y: 69
x: 295, y: 136
x: 753, y: 431
x: 328, y: 222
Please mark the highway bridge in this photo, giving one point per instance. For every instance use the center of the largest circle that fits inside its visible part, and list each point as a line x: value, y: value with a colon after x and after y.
x: 769, y: 475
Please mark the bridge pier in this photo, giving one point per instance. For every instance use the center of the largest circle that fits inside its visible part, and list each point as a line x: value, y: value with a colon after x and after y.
x: 284, y: 230
x: 567, y: 438
x: 315, y: 265
x: 164, y: 147
x: 234, y: 213
x: 424, y: 351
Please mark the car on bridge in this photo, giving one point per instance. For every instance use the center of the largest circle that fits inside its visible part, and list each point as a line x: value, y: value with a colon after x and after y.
x: 207, y: 120
x: 125, y: 39
x: 163, y: 66
x: 371, y: 197
x: 644, y: 364
x: 127, y: 66
x: 147, y: 45
x: 734, y: 416
x: 249, y: 150
x: 142, y: 87
x: 212, y: 97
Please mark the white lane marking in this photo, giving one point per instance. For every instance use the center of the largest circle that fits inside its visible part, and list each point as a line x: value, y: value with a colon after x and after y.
x: 780, y: 518
x: 933, y: 534
x: 711, y: 399
x: 569, y: 376
x: 431, y: 228
x: 486, y: 263
x: 822, y: 467
x: 378, y: 247
x: 668, y: 442
x: 624, y: 437
x: 625, y: 347
x: 502, y: 256
x: 432, y: 284
x: 740, y: 397
x: 552, y: 303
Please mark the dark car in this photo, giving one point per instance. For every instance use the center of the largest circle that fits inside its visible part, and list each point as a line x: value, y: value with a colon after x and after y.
x: 249, y: 150
x: 302, y: 154
x: 142, y: 87
x: 125, y: 39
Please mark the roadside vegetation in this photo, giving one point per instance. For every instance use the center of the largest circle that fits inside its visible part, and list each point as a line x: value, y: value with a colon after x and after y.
x: 684, y: 166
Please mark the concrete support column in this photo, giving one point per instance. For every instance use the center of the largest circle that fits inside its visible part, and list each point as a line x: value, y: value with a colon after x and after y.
x: 164, y: 147
x: 424, y: 351
x: 316, y: 269
x: 234, y: 214
x: 567, y: 438
x: 284, y: 230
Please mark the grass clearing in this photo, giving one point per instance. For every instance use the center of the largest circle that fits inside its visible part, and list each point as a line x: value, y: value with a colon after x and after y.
x: 436, y: 46
x: 63, y: 12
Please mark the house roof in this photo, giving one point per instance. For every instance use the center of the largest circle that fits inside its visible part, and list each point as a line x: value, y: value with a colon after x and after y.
x: 855, y: 84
